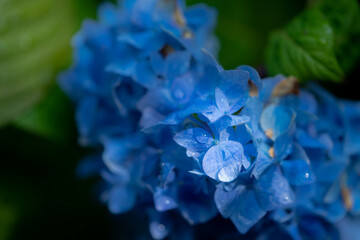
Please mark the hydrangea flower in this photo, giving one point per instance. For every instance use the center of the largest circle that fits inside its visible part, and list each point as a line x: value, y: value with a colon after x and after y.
x: 191, y: 143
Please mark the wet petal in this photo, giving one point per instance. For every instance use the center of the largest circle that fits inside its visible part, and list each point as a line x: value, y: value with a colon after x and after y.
x: 224, y: 161
x: 297, y: 172
x: 194, y: 139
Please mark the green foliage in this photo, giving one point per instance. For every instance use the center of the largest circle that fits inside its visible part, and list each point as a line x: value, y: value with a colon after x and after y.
x: 34, y: 46
x: 305, y: 49
x: 344, y: 18
x: 34, y: 43
x: 321, y: 43
x: 243, y: 27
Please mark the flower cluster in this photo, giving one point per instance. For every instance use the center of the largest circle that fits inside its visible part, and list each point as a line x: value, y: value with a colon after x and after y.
x: 187, y: 141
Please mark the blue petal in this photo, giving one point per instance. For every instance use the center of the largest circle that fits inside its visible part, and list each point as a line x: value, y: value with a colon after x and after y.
x: 141, y: 15
x: 142, y: 40
x: 108, y: 14
x: 158, y: 99
x: 234, y: 83
x: 273, y: 190
x: 176, y: 64
x: 356, y: 201
x: 307, y: 102
x: 281, y: 215
x: 275, y: 120
x: 157, y: 62
x: 254, y: 109
x: 196, y: 106
x: 221, y: 101
x: 329, y: 172
x: 242, y: 134
x: 238, y: 105
x: 224, y: 161
x: 200, y: 16
x: 96, y: 36
x: 126, y: 64
x: 226, y: 202
x: 268, y: 86
x: 248, y: 212
x: 121, y: 199
x: 182, y: 88
x: 227, y: 121
x: 150, y: 118
x: 194, y: 139
x: 164, y: 200
x: 283, y: 144
x: 297, y: 172
x: 254, y: 75
x: 117, y: 150
x: 160, y: 224
x: 144, y: 75
x: 167, y: 174
x: 212, y: 113
x: 262, y: 163
x: 86, y: 114
x: 305, y: 140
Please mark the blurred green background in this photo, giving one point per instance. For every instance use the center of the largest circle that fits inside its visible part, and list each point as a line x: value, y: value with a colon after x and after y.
x: 40, y: 195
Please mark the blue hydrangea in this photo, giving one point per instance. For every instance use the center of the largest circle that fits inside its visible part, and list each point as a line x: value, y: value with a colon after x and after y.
x: 189, y: 143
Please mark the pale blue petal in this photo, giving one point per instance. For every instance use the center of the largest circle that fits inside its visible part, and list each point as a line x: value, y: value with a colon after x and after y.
x: 221, y: 101
x: 194, y: 139
x: 224, y: 161
x: 276, y: 119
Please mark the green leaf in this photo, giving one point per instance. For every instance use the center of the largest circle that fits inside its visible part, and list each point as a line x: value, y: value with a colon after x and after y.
x: 344, y: 18
x: 34, y: 44
x: 305, y: 49
x: 31, y: 54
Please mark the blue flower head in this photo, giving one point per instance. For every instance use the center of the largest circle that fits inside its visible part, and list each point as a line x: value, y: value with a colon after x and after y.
x: 187, y: 141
